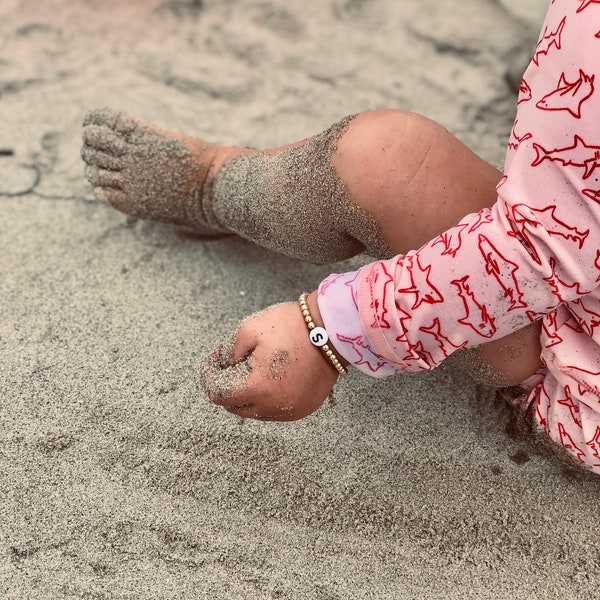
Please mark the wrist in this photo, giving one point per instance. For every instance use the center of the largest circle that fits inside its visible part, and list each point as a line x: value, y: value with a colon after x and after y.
x: 315, y: 314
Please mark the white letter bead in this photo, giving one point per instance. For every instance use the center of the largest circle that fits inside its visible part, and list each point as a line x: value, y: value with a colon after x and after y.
x: 318, y: 336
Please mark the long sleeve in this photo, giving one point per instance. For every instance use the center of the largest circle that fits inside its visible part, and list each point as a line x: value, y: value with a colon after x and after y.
x: 496, y: 271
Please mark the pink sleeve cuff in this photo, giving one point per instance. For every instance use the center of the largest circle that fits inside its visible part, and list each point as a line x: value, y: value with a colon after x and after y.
x: 338, y: 303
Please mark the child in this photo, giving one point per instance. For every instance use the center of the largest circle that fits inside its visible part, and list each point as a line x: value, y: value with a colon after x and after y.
x: 512, y: 290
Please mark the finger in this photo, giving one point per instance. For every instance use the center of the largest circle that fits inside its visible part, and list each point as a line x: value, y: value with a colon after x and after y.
x: 222, y: 379
x: 252, y: 412
x: 228, y: 366
x: 242, y: 343
x: 246, y: 411
x: 240, y: 410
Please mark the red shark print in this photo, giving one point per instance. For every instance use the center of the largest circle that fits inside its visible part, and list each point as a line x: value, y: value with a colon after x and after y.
x: 574, y: 325
x: 418, y: 352
x: 483, y: 218
x: 560, y: 287
x: 451, y: 240
x: 444, y: 343
x: 524, y: 92
x: 523, y: 218
x: 584, y: 380
x: 592, y: 195
x: 520, y: 227
x: 569, y: 96
x: 353, y: 289
x: 518, y: 139
x: 567, y: 442
x: 526, y: 217
x: 549, y: 325
x: 532, y: 315
x: 380, y: 316
x: 586, y: 3
x: 570, y: 404
x: 558, y: 227
x: 477, y: 317
x: 586, y: 371
x: 594, y: 443
x: 597, y: 264
x: 549, y: 39
x: 543, y: 397
x: 577, y: 155
x: 402, y: 316
x: 503, y: 271
x: 364, y: 353
x: 330, y: 280
x: 591, y: 319
x: 420, y: 285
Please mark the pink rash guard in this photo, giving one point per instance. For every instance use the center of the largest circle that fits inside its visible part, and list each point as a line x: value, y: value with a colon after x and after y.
x: 534, y: 255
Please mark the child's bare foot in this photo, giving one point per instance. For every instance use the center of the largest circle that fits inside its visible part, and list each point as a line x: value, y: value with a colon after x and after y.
x: 151, y: 173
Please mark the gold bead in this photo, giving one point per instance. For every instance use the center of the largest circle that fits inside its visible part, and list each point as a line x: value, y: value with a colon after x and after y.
x: 326, y: 349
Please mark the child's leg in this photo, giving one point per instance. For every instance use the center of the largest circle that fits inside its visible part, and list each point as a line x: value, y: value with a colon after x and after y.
x: 387, y: 181
x: 384, y: 181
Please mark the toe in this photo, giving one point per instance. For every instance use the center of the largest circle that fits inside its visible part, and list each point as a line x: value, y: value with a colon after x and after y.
x: 99, y: 116
x: 100, y: 159
x: 113, y: 119
x: 116, y: 198
x: 103, y: 178
x: 105, y: 139
x: 125, y: 124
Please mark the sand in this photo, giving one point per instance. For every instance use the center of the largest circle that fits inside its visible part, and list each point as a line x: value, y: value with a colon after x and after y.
x: 291, y: 202
x: 118, y: 478
x: 294, y: 203
x: 146, y: 172
x: 221, y: 375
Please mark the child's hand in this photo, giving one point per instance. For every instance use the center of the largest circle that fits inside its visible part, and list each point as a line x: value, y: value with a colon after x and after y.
x: 270, y: 370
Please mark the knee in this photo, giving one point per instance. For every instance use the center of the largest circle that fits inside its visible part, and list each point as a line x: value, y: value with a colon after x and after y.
x: 383, y: 149
x: 370, y: 136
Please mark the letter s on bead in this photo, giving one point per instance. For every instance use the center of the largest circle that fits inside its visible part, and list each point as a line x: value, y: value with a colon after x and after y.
x: 318, y: 336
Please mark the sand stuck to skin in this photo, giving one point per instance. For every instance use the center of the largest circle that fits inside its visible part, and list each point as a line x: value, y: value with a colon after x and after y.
x: 294, y: 203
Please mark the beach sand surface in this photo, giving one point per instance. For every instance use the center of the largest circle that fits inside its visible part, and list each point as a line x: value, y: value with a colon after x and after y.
x: 118, y: 479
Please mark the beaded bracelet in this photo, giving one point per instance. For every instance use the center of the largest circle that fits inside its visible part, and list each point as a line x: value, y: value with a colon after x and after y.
x: 318, y: 336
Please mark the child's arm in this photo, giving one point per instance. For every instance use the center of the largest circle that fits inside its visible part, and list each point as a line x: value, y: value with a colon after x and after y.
x: 283, y: 376
x: 495, y: 272
x: 511, y: 264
